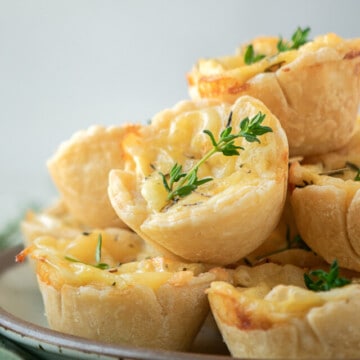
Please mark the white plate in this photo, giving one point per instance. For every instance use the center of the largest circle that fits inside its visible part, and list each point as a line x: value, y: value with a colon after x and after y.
x: 22, y: 320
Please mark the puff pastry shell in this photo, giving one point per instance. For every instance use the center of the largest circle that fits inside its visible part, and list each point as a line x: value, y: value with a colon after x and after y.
x: 326, y: 211
x: 226, y: 218
x: 144, y: 302
x: 285, y: 321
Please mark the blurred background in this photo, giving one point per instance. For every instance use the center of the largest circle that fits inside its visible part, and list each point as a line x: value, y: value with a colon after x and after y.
x: 68, y: 64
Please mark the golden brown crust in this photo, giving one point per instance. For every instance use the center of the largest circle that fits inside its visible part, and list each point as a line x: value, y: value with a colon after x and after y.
x: 135, y: 315
x: 326, y: 214
x: 316, y: 119
x: 80, y: 170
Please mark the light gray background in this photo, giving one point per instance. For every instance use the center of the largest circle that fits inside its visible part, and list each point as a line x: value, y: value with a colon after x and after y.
x: 65, y: 65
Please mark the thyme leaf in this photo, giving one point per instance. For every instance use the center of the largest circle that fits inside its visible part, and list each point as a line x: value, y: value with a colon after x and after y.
x: 320, y: 280
x: 98, y: 264
x: 357, y: 176
x: 299, y: 38
x: 98, y: 249
x: 179, y: 184
x: 356, y: 168
x: 250, y: 57
x: 348, y: 166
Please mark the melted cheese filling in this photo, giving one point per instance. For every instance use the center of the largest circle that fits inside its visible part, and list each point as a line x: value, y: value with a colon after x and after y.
x: 296, y: 301
x: 184, y: 142
x: 234, y: 66
x: 317, y: 175
x: 72, y: 262
x: 282, y: 302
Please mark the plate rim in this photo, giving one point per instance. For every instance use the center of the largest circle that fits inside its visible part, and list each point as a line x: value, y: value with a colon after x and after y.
x: 27, y: 330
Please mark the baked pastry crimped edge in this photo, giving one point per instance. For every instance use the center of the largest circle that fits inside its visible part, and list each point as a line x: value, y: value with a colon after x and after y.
x: 168, y: 319
x: 326, y: 211
x: 315, y: 94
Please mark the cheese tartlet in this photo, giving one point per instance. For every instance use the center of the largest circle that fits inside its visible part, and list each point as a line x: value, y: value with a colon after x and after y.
x: 273, y: 316
x: 80, y: 169
x: 326, y: 210
x: 224, y: 219
x: 314, y: 90
x: 123, y: 297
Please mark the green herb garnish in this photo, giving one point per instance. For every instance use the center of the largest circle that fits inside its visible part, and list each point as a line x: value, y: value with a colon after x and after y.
x: 320, y: 280
x: 98, y: 249
x: 250, y: 57
x: 335, y: 172
x: 98, y: 264
x: 357, y: 176
x: 181, y: 184
x: 187, y: 186
x: 355, y: 168
x: 348, y: 166
x: 299, y: 38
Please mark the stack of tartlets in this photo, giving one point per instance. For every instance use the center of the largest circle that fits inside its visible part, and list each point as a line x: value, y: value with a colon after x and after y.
x: 208, y: 204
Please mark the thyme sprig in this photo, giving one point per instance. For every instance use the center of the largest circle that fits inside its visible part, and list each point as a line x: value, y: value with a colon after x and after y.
x: 299, y: 38
x: 181, y: 184
x: 355, y: 168
x: 250, y: 57
x: 187, y: 186
x: 320, y: 280
x: 98, y: 264
x: 340, y: 171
